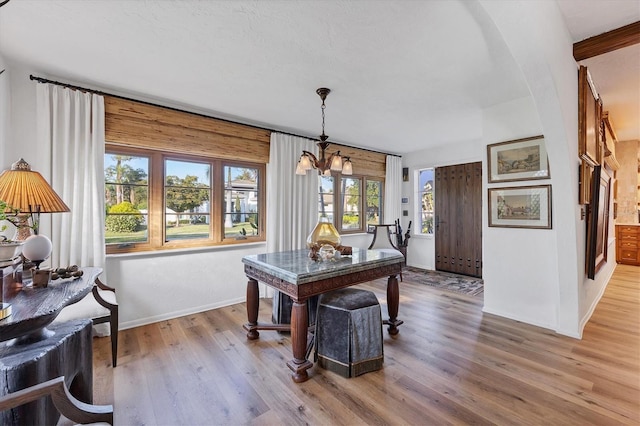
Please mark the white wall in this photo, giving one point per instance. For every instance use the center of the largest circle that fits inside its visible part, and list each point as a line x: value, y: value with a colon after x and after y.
x: 520, y: 265
x: 541, y: 45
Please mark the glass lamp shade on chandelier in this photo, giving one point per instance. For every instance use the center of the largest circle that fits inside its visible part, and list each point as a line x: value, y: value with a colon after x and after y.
x: 324, y: 164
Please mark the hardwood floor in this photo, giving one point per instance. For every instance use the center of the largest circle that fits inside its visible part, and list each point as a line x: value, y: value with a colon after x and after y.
x: 450, y: 364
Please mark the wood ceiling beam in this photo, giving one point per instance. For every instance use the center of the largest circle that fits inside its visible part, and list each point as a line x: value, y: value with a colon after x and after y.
x: 607, y: 42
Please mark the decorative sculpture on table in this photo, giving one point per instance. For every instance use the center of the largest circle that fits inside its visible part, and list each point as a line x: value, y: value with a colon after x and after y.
x: 325, y: 234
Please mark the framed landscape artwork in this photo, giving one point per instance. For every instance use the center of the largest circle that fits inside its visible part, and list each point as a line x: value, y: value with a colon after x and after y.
x: 520, y: 207
x: 520, y: 159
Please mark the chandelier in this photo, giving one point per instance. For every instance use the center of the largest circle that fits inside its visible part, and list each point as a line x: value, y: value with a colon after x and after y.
x: 324, y: 165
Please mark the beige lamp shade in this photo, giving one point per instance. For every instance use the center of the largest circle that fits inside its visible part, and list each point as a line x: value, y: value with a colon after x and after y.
x: 27, y: 191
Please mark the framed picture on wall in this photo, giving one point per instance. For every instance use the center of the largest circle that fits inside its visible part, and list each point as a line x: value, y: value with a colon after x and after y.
x: 598, y: 222
x: 520, y: 159
x: 586, y: 174
x: 520, y: 207
x: 589, y: 120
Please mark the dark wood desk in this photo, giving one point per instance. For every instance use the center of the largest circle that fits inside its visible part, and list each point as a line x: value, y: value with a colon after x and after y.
x: 32, y: 351
x: 35, y: 308
x: 299, y: 277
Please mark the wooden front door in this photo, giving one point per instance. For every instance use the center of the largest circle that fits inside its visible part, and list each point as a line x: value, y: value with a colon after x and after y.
x: 458, y: 221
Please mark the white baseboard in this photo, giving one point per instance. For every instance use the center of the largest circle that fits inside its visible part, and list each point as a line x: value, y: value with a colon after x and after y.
x: 426, y: 267
x: 596, y: 300
x: 175, y: 314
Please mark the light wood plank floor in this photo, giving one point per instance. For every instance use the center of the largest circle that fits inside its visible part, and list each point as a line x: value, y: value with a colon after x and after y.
x: 450, y: 364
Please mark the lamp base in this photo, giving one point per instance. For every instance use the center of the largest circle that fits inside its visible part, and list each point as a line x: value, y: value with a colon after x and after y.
x: 23, y: 230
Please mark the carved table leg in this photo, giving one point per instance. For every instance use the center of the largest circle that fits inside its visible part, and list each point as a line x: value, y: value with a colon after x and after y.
x: 299, y: 327
x: 253, y: 303
x: 393, y: 300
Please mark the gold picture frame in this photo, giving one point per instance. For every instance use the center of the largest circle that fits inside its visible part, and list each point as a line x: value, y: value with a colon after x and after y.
x: 519, y: 159
x: 520, y: 207
x: 589, y: 120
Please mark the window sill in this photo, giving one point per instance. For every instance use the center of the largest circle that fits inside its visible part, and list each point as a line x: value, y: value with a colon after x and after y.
x: 151, y: 253
x: 423, y: 236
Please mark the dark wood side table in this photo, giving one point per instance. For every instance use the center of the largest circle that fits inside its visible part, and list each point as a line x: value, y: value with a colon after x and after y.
x: 299, y: 277
x: 33, y: 351
x: 66, y: 352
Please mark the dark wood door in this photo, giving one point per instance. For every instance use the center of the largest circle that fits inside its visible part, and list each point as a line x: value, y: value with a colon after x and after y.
x: 458, y: 210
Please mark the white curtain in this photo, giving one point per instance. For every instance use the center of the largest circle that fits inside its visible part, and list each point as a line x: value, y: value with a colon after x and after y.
x: 71, y: 124
x: 393, y: 189
x: 292, y: 203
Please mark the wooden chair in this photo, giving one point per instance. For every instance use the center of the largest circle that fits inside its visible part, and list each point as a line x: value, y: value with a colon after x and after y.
x: 101, y: 307
x: 384, y: 238
x: 65, y: 403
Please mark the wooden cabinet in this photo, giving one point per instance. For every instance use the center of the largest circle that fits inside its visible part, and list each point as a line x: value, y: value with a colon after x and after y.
x: 628, y: 244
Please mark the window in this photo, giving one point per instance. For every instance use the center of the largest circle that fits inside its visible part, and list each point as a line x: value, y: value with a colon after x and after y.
x: 126, y: 180
x: 187, y: 192
x: 157, y: 200
x: 426, y: 199
x: 326, y: 197
x: 375, y: 189
x: 356, y: 209
x: 351, y: 196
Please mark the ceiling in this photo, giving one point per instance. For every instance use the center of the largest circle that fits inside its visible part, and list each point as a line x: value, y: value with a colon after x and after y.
x: 395, y: 87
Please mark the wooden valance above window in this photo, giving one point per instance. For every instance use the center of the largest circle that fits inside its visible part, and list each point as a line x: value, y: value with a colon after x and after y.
x: 140, y: 125
x: 365, y: 162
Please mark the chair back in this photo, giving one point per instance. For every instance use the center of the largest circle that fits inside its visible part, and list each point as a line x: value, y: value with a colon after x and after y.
x: 384, y: 237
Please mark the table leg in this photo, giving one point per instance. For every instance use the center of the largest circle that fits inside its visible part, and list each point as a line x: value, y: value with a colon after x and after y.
x: 253, y: 303
x: 299, y: 328
x: 393, y: 300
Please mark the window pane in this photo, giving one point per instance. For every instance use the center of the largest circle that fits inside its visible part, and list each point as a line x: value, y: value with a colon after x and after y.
x: 186, y: 197
x: 374, y: 202
x: 351, y: 197
x: 126, y: 198
x: 241, y: 200
x: 326, y: 199
x: 426, y: 197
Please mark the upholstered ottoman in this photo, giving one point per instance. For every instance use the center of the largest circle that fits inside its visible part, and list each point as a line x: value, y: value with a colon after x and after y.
x: 349, y: 332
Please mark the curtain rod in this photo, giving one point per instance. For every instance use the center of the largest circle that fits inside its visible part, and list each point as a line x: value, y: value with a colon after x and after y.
x: 98, y: 92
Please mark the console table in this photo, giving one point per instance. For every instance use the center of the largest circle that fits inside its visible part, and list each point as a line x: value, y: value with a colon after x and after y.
x: 32, y: 353
x: 296, y: 275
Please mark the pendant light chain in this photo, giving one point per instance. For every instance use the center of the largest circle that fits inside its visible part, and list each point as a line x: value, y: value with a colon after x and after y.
x: 322, y: 107
x: 324, y: 165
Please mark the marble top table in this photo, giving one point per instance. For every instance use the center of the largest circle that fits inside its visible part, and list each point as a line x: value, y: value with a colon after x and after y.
x: 299, y: 277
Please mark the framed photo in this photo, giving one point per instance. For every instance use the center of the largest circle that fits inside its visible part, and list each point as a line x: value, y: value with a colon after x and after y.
x: 589, y: 120
x: 598, y: 222
x: 520, y: 207
x: 520, y: 159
